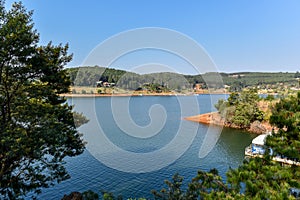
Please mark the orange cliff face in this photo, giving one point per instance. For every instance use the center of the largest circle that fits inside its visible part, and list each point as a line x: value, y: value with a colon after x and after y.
x: 207, y: 118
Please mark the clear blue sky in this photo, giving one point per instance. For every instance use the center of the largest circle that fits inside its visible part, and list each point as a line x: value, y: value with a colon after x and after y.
x: 250, y: 35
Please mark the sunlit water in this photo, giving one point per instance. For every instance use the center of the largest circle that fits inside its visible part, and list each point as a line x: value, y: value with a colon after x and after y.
x: 87, y: 173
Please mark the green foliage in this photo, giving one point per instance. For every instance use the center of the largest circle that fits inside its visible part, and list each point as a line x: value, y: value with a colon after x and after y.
x: 233, y: 99
x: 257, y: 178
x: 270, y: 98
x: 110, y: 196
x: 37, y: 130
x: 286, y: 113
x: 206, y: 185
x: 264, y: 80
x: 240, y: 109
x: 173, y: 191
x: 262, y: 179
x: 286, y: 116
x: 107, y: 196
x: 88, y: 76
x: 79, y: 119
x: 237, y: 86
x: 221, y: 106
x: 156, y: 88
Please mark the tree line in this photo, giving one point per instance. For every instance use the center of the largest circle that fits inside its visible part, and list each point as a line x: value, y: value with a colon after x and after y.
x: 88, y: 76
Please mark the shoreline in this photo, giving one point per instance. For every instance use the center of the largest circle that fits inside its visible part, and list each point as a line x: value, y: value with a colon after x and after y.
x: 137, y: 94
x: 207, y: 118
x: 214, y: 118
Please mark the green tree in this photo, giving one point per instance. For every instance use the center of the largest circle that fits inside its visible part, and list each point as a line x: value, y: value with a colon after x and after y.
x: 256, y: 178
x: 260, y: 178
x: 270, y: 98
x: 263, y: 178
x: 173, y: 191
x: 37, y: 130
x: 233, y: 98
x: 286, y: 116
x: 241, y: 109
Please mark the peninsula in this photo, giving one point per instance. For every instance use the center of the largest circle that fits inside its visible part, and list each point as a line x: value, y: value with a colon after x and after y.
x: 245, y: 110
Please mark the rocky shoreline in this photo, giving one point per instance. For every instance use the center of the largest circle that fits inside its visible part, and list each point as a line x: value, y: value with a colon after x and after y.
x: 215, y: 118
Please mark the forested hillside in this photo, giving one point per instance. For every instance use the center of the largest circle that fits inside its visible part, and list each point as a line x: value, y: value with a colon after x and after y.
x: 88, y: 76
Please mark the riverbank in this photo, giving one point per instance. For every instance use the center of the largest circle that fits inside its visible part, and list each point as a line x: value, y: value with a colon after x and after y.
x: 136, y: 94
x: 85, y: 91
x: 215, y: 118
x: 122, y: 95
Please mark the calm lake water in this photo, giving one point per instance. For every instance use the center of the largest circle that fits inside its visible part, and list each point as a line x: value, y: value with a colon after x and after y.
x: 168, y: 143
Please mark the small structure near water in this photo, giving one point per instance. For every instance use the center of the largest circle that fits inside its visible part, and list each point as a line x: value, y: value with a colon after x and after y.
x: 257, y: 146
x: 257, y: 149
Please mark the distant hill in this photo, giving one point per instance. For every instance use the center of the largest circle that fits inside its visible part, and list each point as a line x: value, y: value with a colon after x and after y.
x: 88, y: 76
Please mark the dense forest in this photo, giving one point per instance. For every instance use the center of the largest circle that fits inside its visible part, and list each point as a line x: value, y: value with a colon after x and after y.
x: 88, y: 76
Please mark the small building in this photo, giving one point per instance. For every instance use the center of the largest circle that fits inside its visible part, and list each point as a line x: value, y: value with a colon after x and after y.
x: 104, y: 84
x: 257, y: 146
x: 257, y: 149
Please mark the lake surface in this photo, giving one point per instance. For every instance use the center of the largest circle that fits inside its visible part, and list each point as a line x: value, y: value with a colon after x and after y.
x: 136, y: 143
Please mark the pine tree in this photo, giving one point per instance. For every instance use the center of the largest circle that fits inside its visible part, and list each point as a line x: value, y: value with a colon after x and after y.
x: 37, y: 130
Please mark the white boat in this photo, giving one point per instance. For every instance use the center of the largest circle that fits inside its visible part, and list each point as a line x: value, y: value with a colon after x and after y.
x: 257, y: 149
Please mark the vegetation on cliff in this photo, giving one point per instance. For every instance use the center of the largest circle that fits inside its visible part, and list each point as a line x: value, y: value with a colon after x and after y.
x: 240, y: 109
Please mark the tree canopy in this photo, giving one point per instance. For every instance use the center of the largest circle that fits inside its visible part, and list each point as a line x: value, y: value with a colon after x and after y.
x: 286, y: 116
x: 37, y: 130
x: 241, y: 109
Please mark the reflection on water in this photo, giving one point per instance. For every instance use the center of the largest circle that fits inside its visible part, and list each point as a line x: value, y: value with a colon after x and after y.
x: 89, y: 173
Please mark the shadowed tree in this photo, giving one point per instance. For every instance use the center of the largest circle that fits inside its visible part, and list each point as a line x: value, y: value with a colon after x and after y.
x: 37, y: 130
x: 286, y: 116
x: 241, y: 109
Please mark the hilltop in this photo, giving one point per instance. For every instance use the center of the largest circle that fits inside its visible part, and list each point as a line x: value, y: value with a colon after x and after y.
x: 122, y: 81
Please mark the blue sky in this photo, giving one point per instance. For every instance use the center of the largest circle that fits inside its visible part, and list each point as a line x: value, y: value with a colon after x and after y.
x: 256, y: 35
